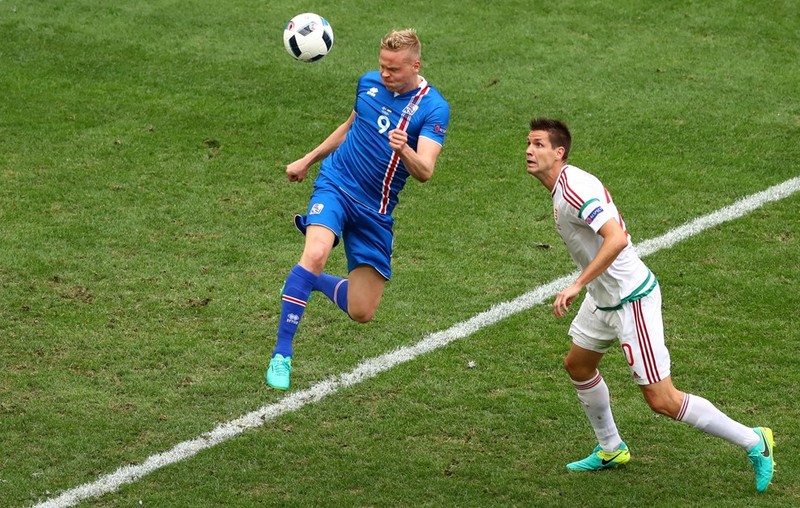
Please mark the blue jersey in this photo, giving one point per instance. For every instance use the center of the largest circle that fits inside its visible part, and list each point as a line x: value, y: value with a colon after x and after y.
x: 364, y: 166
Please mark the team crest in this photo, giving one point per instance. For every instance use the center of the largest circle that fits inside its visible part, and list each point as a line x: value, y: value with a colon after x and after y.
x: 410, y: 109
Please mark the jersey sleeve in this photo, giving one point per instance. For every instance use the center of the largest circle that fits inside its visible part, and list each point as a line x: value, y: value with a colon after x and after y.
x: 596, y: 205
x: 595, y: 212
x: 360, y: 87
x: 436, y: 122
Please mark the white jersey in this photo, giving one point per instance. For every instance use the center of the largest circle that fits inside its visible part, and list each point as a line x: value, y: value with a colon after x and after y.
x: 581, y: 205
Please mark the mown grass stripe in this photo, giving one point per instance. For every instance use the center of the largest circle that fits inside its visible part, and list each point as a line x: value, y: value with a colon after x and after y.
x: 372, y: 367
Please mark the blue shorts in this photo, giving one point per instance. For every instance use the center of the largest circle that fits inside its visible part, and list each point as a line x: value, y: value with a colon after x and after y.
x: 367, y: 234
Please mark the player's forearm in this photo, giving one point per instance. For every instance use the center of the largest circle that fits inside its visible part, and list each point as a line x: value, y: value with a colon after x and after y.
x: 609, y: 250
x: 599, y: 264
x: 416, y: 166
x: 330, y: 144
x: 421, y: 162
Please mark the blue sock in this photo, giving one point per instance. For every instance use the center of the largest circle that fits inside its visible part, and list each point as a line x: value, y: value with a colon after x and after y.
x: 296, y: 291
x: 335, y: 288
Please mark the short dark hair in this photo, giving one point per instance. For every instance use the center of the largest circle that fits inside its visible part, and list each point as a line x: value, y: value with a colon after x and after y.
x: 556, y: 130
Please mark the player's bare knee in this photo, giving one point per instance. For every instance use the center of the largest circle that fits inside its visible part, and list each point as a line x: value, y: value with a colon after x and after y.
x: 577, y: 371
x: 657, y: 407
x: 662, y: 405
x: 568, y: 366
x: 314, y: 259
x: 361, y: 315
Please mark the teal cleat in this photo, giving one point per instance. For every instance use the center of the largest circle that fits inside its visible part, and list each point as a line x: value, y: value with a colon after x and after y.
x: 761, y: 456
x: 279, y: 372
x: 600, y: 459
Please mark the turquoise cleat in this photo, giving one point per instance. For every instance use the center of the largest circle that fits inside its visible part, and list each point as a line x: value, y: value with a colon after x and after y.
x: 762, y: 458
x: 600, y: 459
x: 279, y: 372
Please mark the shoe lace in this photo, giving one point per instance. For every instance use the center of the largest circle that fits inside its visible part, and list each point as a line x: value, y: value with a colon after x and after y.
x: 281, y: 367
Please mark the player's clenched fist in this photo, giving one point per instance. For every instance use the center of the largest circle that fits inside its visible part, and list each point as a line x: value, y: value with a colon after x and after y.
x: 398, y: 139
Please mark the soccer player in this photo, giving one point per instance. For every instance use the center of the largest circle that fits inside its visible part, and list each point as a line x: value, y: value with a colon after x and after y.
x: 623, y: 301
x: 396, y: 129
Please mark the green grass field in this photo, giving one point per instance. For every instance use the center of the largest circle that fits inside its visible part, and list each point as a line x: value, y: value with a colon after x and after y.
x: 145, y: 233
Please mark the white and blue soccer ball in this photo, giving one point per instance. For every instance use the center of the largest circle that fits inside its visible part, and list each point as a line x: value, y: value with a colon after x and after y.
x: 308, y: 37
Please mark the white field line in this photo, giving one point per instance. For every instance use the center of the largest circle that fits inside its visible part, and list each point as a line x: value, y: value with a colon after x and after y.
x: 374, y: 366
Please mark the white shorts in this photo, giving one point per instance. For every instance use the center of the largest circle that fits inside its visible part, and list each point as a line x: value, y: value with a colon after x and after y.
x: 639, y: 328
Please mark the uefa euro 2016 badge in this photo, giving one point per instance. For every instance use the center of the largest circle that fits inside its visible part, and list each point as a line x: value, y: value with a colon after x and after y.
x: 597, y: 211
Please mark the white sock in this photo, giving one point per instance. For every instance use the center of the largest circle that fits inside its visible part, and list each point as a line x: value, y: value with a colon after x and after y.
x: 701, y: 414
x: 596, y: 402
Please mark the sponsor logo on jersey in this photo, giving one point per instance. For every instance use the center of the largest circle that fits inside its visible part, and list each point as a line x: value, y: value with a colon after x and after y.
x: 592, y: 216
x: 386, y: 111
x: 316, y: 209
x: 372, y: 92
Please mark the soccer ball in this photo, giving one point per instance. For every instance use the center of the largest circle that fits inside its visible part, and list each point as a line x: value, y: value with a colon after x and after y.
x: 308, y: 37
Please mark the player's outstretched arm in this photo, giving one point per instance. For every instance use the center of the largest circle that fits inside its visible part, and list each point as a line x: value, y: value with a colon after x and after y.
x: 298, y: 170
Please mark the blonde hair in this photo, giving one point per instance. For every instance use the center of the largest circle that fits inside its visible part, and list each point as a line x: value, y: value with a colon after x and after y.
x: 398, y: 40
